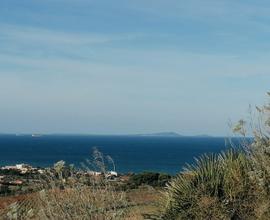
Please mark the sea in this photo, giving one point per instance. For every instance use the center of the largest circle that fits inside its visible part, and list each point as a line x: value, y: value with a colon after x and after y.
x: 167, y: 154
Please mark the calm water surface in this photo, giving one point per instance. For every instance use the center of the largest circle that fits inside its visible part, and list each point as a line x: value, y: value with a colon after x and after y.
x: 130, y: 153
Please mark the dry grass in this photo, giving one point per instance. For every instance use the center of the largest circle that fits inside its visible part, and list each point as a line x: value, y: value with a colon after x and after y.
x: 145, y: 201
x: 82, y: 202
x: 8, y: 200
x: 85, y: 204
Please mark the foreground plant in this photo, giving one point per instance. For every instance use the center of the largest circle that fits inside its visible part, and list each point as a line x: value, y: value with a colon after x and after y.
x: 216, y: 187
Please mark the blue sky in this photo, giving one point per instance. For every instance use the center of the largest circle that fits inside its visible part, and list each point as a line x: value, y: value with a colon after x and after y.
x: 122, y: 67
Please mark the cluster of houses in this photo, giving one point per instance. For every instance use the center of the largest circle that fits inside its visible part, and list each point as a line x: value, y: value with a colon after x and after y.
x: 23, y: 177
x: 20, y: 168
x: 26, y: 169
x: 109, y: 174
x: 23, y: 168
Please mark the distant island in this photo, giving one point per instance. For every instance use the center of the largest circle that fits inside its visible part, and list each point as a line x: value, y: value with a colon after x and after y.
x: 172, y: 134
x: 167, y: 134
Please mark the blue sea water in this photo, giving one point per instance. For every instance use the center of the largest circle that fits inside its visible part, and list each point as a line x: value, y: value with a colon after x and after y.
x: 130, y: 153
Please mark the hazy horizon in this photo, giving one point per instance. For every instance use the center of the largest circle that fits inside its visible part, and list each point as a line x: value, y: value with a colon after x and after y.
x: 117, y: 134
x: 131, y: 67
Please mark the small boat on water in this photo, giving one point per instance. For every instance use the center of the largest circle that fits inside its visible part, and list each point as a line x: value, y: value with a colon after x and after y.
x: 36, y: 135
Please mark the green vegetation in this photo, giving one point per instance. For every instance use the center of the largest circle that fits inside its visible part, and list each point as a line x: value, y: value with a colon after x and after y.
x: 217, y: 187
x: 149, y: 178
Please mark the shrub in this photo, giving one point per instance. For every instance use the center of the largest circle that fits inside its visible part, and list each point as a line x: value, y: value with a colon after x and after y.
x: 149, y: 178
x: 216, y: 187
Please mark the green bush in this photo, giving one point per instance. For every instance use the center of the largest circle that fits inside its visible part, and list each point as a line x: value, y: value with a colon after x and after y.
x: 4, y: 190
x: 216, y: 187
x: 149, y: 178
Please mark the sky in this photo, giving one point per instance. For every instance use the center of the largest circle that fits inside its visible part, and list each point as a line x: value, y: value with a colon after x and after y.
x: 129, y: 67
